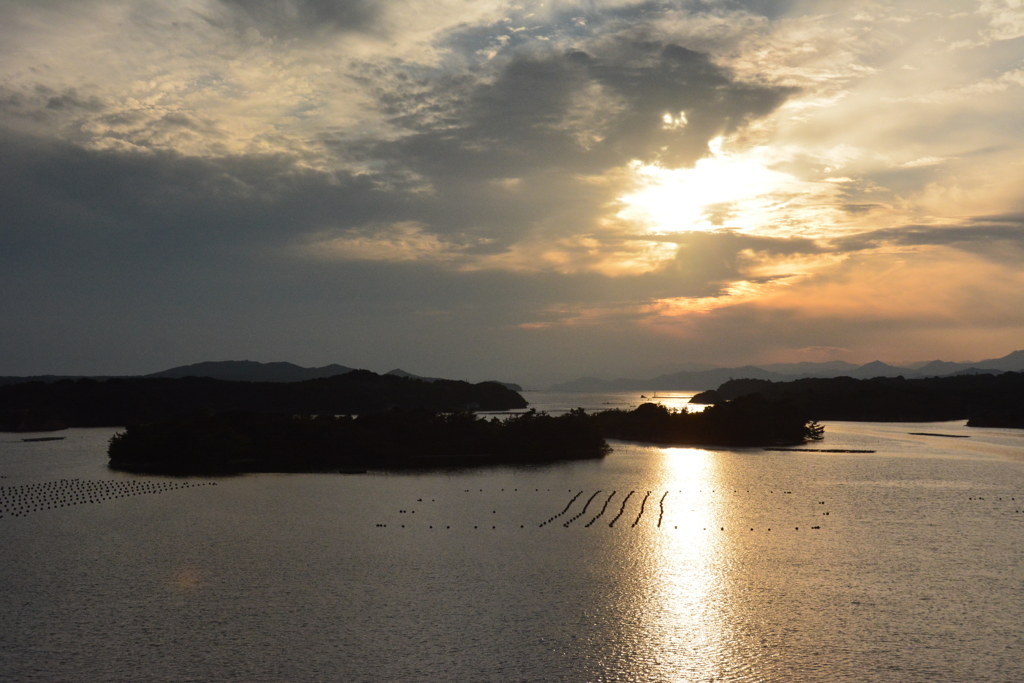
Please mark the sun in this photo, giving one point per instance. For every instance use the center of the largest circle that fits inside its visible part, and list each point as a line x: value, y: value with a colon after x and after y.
x: 723, y: 187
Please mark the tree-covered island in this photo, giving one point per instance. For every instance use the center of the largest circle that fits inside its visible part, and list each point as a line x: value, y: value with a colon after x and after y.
x: 745, y: 421
x: 984, y: 400
x: 397, y: 439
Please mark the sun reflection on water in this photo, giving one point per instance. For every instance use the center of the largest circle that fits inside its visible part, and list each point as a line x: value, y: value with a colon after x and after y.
x: 688, y: 565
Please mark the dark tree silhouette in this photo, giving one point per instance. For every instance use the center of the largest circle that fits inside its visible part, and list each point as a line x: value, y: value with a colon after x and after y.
x: 984, y: 399
x: 746, y: 421
x: 123, y: 401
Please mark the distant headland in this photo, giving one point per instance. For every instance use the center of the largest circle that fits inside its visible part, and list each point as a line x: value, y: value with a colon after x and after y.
x: 116, y: 402
x: 701, y: 378
x: 984, y: 400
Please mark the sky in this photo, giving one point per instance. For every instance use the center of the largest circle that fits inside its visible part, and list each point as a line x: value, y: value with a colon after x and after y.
x: 523, y: 191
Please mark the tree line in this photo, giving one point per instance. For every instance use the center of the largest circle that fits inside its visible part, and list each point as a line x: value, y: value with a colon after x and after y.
x: 985, y: 400
x: 246, y: 442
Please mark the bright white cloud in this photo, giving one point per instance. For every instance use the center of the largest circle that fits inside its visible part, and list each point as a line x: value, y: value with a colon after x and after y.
x: 741, y: 190
x: 1006, y: 18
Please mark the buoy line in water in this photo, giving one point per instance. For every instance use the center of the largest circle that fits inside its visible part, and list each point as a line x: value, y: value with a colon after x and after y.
x: 583, y: 511
x: 799, y: 521
x: 603, y: 508
x: 567, y: 506
x: 18, y: 501
x: 643, y: 504
x: 622, y: 509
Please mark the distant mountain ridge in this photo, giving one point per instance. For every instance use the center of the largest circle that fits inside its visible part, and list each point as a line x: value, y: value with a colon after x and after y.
x: 399, y: 372
x: 240, y: 371
x: 253, y: 371
x: 684, y: 380
x: 787, y: 372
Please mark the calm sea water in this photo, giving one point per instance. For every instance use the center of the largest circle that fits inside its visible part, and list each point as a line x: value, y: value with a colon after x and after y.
x: 729, y: 565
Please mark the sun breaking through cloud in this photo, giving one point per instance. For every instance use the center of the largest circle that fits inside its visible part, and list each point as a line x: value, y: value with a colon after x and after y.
x: 527, y: 189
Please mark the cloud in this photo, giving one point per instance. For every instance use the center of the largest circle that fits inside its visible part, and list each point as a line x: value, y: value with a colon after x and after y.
x: 462, y: 186
x: 60, y: 199
x: 869, y: 304
x: 281, y: 17
x: 988, y: 86
x: 404, y: 241
x: 1006, y: 18
x: 999, y: 238
x: 923, y: 162
x: 584, y: 113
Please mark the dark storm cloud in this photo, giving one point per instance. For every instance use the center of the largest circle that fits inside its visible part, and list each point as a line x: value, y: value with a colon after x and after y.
x: 291, y: 17
x: 43, y: 103
x: 55, y: 195
x: 193, y: 257
x: 575, y: 111
x: 771, y: 9
x: 546, y: 118
x: 69, y: 99
x: 707, y: 261
x: 130, y: 226
x: 978, y: 234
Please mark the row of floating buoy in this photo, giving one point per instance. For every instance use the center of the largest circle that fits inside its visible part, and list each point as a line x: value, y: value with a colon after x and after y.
x: 567, y: 506
x: 771, y: 491
x: 603, y: 508
x: 640, y: 514
x: 513, y: 490
x: 643, y: 504
x: 583, y: 511
x: 591, y: 502
x: 522, y: 526
x: 449, y: 526
x: 18, y: 501
x: 622, y: 509
x: 996, y: 500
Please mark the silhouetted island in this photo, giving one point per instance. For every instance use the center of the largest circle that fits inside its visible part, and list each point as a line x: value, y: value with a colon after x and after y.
x: 247, y: 442
x: 250, y: 442
x: 115, y: 402
x: 984, y: 400
x: 1011, y: 417
x: 745, y: 421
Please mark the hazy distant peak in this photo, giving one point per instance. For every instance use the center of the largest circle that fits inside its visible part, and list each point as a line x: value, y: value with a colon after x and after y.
x: 1012, y: 362
x: 877, y: 368
x: 399, y: 372
x: 940, y: 367
x: 252, y: 371
x: 810, y: 367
